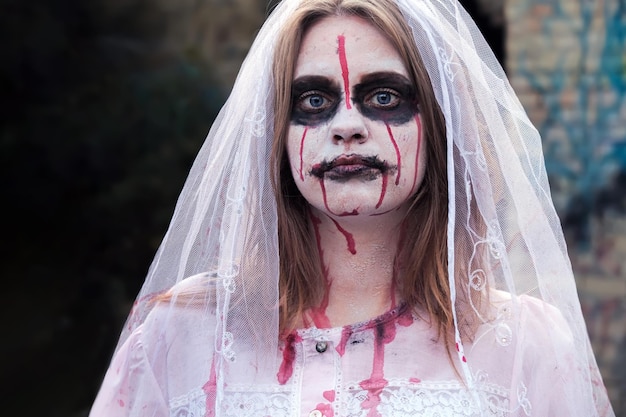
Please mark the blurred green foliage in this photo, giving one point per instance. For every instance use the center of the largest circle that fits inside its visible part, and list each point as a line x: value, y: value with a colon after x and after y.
x: 99, y: 127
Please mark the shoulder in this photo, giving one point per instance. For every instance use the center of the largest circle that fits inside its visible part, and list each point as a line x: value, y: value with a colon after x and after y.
x: 525, y: 325
x: 181, y: 318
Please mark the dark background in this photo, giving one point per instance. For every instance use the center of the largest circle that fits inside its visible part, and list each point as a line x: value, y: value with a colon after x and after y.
x: 99, y: 127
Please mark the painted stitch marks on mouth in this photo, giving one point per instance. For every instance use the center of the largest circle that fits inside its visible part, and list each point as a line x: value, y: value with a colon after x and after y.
x: 346, y: 167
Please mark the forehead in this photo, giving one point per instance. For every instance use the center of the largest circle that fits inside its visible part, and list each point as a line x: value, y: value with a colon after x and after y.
x: 367, y: 50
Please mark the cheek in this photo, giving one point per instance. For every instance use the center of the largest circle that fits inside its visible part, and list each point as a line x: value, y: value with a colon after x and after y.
x: 301, y: 151
x: 409, y: 141
x: 405, y: 139
x: 295, y: 145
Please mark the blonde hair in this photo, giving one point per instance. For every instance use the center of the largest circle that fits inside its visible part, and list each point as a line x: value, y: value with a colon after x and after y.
x: 423, y: 257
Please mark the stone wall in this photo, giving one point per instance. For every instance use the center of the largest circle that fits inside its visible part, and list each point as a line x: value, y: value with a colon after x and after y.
x: 567, y: 61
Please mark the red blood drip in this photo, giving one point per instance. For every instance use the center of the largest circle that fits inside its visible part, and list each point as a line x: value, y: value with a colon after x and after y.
x: 346, y: 332
x: 384, y: 212
x: 398, y: 156
x: 301, y: 149
x: 405, y: 319
x: 417, y: 156
x: 385, y: 334
x: 344, y: 68
x: 323, y: 187
x: 383, y: 190
x: 326, y: 409
x: 329, y: 395
x: 120, y: 403
x: 348, y: 235
x: 210, y: 389
x: 318, y: 314
x: 289, y: 355
x: 345, y: 213
x: 415, y: 380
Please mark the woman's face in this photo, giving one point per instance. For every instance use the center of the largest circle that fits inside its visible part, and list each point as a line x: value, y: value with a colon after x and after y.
x: 355, y: 138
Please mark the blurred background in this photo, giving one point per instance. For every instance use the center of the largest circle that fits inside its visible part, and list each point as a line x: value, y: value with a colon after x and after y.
x: 106, y: 102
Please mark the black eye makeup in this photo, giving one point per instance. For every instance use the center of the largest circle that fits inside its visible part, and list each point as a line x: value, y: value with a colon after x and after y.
x: 383, y: 96
x: 314, y: 99
x: 386, y: 96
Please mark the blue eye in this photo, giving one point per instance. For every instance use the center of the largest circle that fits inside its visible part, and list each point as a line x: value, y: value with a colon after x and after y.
x: 384, y: 98
x: 316, y: 101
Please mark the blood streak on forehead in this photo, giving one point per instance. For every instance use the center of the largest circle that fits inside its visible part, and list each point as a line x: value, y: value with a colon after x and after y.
x: 341, y: 40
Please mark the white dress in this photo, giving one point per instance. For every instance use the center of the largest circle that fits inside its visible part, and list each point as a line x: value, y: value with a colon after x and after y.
x: 391, y: 366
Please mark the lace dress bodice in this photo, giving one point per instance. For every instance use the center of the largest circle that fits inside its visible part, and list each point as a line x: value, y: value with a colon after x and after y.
x: 391, y: 366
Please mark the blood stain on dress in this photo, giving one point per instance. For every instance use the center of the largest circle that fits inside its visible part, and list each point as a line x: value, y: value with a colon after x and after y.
x: 346, y: 332
x: 289, y: 356
x: 384, y: 333
x: 325, y: 409
x: 210, y: 390
x: 329, y: 395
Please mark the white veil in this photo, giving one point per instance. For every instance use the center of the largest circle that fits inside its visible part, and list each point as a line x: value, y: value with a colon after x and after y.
x: 220, y: 253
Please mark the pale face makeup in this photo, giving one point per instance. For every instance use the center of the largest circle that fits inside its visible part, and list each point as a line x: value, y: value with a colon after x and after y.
x: 355, y: 138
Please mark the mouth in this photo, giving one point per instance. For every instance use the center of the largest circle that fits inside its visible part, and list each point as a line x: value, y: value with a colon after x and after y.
x: 346, y: 167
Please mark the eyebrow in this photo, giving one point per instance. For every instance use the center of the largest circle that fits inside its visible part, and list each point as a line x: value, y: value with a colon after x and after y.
x: 312, y: 82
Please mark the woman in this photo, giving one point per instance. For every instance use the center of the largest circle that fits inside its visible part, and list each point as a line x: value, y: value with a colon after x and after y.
x: 375, y: 237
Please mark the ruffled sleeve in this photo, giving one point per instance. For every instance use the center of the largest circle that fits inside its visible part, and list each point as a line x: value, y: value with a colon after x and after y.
x: 130, y: 386
x: 561, y: 374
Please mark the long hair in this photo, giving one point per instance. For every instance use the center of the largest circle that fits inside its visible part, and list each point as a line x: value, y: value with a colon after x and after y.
x: 422, y: 261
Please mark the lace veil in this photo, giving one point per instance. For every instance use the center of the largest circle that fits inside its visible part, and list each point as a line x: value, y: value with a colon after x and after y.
x: 221, y: 249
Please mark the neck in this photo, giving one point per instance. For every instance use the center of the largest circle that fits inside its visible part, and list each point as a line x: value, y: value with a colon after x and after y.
x: 357, y: 256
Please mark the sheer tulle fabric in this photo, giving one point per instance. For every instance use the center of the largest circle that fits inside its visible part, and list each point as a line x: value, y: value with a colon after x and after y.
x: 218, y: 263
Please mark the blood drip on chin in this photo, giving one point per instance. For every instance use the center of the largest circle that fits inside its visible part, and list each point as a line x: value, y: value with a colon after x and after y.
x: 347, y: 235
x: 383, y: 189
x: 345, y: 213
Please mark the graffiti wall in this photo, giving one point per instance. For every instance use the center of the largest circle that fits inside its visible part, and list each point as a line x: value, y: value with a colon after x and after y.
x: 567, y: 61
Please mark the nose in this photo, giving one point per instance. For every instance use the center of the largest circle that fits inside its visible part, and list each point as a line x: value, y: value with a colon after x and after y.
x: 349, y: 125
